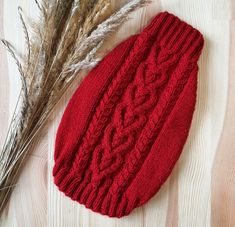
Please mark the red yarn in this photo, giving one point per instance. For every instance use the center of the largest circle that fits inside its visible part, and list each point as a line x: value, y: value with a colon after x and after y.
x: 126, y: 125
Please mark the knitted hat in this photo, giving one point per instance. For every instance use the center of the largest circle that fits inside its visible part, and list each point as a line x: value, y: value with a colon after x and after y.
x: 125, y: 126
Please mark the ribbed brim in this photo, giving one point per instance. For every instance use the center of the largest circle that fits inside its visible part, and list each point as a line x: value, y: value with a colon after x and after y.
x: 98, y: 199
x: 176, y: 35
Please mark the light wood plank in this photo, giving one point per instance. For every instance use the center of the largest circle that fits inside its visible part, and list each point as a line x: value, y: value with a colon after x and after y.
x: 200, y: 192
x: 4, y: 84
x: 4, y: 87
x: 196, y: 161
x: 27, y: 206
x: 223, y: 178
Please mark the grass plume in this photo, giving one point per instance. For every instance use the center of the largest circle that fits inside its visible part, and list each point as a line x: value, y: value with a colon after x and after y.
x: 64, y: 41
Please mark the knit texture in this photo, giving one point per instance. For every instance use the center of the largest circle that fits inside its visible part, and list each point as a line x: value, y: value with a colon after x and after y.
x: 125, y: 126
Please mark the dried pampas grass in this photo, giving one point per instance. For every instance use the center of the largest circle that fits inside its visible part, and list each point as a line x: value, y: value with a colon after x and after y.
x: 64, y: 41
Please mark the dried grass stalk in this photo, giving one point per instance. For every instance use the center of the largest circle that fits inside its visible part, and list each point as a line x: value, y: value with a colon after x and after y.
x: 64, y: 41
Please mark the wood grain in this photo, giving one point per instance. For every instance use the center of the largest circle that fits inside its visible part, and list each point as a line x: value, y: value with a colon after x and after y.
x: 27, y: 206
x: 223, y: 179
x: 4, y: 84
x: 201, y: 190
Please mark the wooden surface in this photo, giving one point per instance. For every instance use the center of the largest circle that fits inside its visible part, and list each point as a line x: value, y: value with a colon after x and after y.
x: 201, y: 190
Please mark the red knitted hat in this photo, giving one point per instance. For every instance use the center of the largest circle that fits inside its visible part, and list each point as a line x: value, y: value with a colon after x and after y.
x: 126, y: 125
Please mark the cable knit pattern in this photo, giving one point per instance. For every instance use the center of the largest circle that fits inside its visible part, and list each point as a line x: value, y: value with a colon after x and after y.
x: 112, y: 151
x: 131, y: 114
